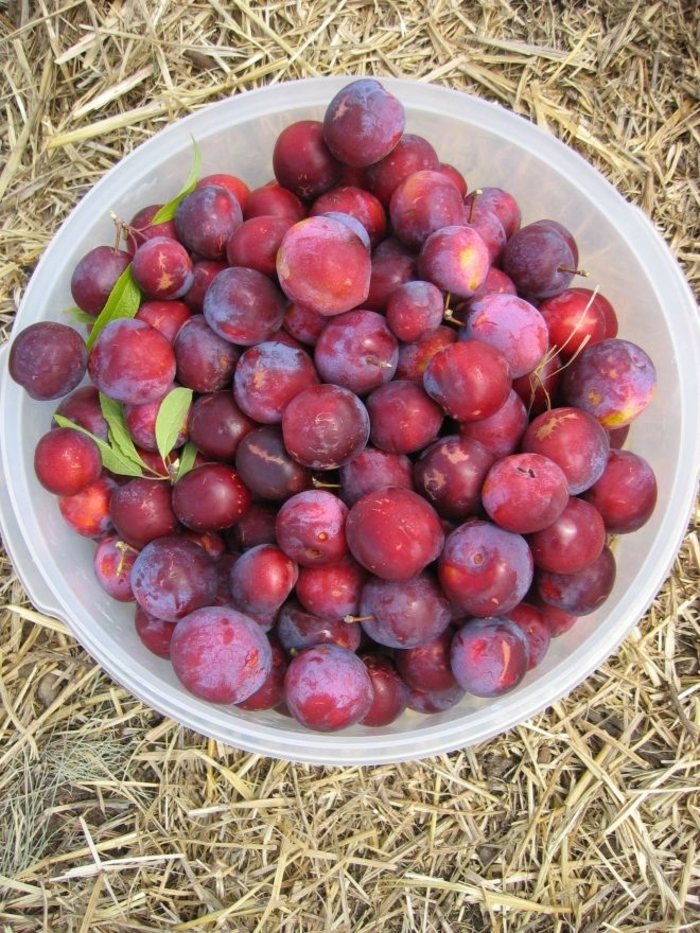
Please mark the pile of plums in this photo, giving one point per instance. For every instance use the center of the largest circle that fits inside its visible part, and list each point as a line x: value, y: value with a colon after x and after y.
x: 355, y: 443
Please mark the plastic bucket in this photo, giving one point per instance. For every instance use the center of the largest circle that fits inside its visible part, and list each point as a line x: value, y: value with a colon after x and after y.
x: 626, y: 258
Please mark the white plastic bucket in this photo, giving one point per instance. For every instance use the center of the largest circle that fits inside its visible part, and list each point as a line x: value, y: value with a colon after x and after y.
x: 626, y: 258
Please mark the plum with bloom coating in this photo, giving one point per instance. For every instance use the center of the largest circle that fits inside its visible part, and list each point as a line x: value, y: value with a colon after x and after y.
x: 490, y: 656
x: 327, y: 688
x: 220, y: 654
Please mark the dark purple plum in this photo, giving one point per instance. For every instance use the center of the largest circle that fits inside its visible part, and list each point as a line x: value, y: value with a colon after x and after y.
x: 389, y: 690
x: 244, y: 306
x: 95, y: 275
x: 172, y: 576
x: 450, y: 473
x: 205, y: 361
x: 206, y: 218
x: 579, y: 593
x: 403, y: 613
x: 216, y: 425
x: 489, y: 656
x: 540, y: 260
x: 363, y: 122
x: 298, y: 629
x: 267, y: 468
x: 325, y: 426
x: 48, y: 359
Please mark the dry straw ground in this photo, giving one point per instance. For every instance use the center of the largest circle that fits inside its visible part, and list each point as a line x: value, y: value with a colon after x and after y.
x: 113, y: 819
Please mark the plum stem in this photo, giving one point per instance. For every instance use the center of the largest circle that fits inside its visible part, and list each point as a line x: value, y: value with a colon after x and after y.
x: 320, y: 484
x: 472, y: 202
x: 582, y: 272
x: 122, y: 229
x: 449, y: 315
x: 123, y: 547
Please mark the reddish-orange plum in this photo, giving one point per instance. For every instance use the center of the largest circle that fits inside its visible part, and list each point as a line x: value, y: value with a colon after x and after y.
x: 324, y: 265
x: 302, y: 162
x: 626, y: 493
x: 66, y: 461
x: 469, y: 379
x: 394, y: 533
x: 412, y: 153
x: 456, y: 259
x: 88, y: 511
x: 358, y: 203
x: 422, y: 203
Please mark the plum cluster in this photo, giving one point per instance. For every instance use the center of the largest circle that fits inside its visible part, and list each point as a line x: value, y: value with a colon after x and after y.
x: 405, y: 427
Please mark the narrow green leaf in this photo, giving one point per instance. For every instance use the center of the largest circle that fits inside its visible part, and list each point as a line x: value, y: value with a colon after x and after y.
x: 124, y: 301
x: 116, y: 462
x: 171, y: 418
x: 167, y: 211
x: 119, y: 436
x: 79, y: 316
x: 113, y: 460
x: 186, y: 459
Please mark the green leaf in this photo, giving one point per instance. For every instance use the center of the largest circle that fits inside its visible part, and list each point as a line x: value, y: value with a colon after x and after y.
x: 186, y: 459
x: 116, y: 462
x: 113, y: 460
x: 124, y: 301
x: 167, y: 211
x: 79, y: 316
x: 119, y: 436
x: 171, y: 418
